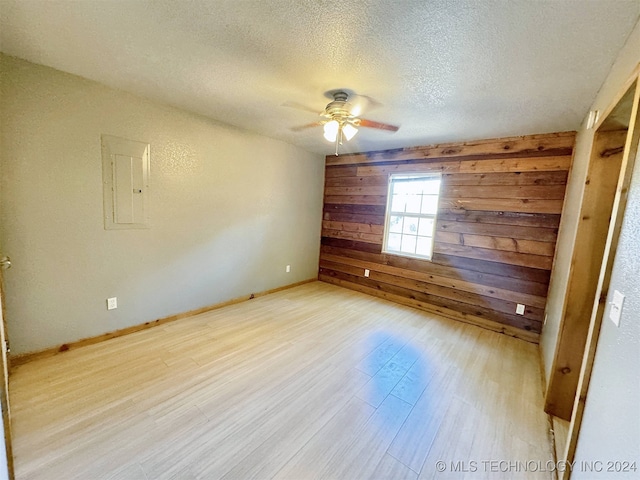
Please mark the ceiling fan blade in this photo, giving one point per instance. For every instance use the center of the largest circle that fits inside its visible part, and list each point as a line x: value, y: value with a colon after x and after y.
x: 380, y: 126
x: 308, y: 125
x: 300, y: 106
x: 363, y: 103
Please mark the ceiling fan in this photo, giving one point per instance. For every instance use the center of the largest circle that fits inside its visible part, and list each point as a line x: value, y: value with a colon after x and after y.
x: 341, y: 118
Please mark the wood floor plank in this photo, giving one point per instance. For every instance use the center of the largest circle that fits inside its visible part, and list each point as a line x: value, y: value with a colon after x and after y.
x: 390, y: 468
x: 382, y: 383
x: 130, y: 472
x: 308, y: 383
x: 166, y: 460
x: 452, y: 444
x: 413, y: 383
x: 360, y: 459
x: 415, y: 438
x: 373, y: 362
x: 329, y: 443
x: 295, y: 427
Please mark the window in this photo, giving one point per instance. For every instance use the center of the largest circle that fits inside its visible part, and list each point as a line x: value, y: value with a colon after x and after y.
x: 412, y: 205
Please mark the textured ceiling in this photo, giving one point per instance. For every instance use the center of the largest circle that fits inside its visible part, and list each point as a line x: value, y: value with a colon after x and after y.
x: 443, y: 70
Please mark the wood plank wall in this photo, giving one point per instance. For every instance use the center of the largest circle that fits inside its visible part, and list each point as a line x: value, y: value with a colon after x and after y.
x: 498, y: 218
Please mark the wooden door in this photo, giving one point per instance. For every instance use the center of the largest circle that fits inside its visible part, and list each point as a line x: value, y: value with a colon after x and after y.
x: 6, y: 455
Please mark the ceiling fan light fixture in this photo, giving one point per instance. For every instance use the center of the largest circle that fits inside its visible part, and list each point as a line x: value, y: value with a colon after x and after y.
x: 331, y: 130
x: 349, y: 131
x: 341, y: 119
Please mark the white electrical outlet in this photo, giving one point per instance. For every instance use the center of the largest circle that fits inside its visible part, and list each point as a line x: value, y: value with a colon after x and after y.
x: 520, y: 309
x: 366, y: 272
x: 616, y: 307
x: 288, y: 269
x: 112, y: 303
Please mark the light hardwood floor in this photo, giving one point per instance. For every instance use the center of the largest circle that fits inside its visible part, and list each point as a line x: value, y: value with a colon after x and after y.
x: 311, y: 382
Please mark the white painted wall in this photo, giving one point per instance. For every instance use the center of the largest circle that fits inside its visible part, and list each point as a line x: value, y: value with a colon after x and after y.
x: 627, y: 60
x: 228, y: 210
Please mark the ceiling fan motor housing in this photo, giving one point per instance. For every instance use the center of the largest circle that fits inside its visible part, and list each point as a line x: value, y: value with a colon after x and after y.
x: 339, y: 109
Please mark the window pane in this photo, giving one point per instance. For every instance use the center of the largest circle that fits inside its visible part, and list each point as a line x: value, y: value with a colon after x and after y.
x: 410, y: 225
x: 411, y: 214
x: 431, y: 187
x: 401, y: 188
x: 413, y: 203
x: 430, y: 204
x: 426, y: 227
x: 395, y: 224
x: 424, y: 246
x: 398, y: 202
x: 393, y: 241
x: 408, y: 244
x: 419, y: 187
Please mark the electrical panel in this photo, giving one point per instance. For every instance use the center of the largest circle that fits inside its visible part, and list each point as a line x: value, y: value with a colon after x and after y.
x: 125, y: 175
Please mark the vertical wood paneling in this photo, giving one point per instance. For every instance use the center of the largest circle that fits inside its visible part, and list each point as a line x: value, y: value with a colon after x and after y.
x: 498, y: 220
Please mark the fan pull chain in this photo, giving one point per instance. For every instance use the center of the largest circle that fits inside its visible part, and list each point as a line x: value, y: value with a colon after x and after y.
x: 338, y: 139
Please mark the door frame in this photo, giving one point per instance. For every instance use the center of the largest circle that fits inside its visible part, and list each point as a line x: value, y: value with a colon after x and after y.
x: 630, y: 155
x: 4, y: 385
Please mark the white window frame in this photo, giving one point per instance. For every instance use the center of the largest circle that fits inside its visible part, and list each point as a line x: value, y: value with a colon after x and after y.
x: 389, y: 213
